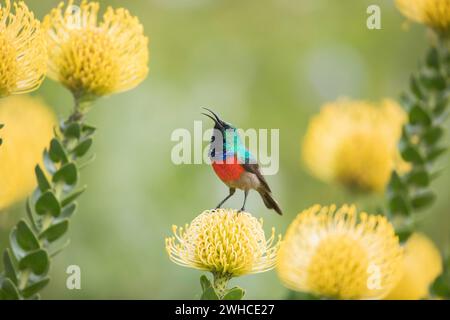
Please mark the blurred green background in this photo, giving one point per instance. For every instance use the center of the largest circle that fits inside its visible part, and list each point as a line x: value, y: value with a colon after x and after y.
x: 259, y: 64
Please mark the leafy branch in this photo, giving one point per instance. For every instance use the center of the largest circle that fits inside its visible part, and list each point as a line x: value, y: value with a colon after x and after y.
x: 426, y: 104
x: 33, y: 242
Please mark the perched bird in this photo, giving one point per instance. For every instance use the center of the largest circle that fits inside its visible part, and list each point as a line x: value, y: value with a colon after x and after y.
x: 235, y: 165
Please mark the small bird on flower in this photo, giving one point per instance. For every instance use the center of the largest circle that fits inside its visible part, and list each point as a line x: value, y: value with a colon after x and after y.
x: 235, y: 165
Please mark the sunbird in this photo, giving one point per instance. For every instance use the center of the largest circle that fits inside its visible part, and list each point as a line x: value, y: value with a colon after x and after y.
x: 235, y: 165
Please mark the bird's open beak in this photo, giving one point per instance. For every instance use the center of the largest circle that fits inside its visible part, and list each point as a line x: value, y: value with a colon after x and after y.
x: 216, y: 118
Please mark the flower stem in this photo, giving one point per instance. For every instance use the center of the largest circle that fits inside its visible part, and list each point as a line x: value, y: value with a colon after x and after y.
x: 220, y: 283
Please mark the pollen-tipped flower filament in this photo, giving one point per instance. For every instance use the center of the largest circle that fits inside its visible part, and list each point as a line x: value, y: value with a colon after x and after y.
x: 422, y: 264
x: 93, y: 57
x: 433, y: 13
x: 354, y: 143
x: 23, y: 54
x: 226, y: 243
x: 340, y: 253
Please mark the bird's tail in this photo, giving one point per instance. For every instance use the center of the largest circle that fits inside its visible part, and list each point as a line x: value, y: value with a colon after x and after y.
x: 269, y: 201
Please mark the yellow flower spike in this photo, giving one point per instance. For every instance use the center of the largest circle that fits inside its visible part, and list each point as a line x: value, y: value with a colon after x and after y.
x: 354, y: 143
x: 225, y: 242
x: 433, y: 13
x: 23, y: 54
x: 29, y: 128
x: 341, y: 254
x: 422, y: 264
x: 95, y: 58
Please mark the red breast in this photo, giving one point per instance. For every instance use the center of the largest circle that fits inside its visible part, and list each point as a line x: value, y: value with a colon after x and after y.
x: 228, y: 170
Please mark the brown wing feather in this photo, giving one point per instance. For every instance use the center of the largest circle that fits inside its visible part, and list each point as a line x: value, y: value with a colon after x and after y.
x: 264, y: 190
x: 254, y: 168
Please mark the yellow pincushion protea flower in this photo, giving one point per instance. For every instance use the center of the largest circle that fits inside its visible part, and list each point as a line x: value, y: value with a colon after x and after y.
x: 340, y: 254
x: 23, y: 54
x: 28, y: 128
x: 225, y: 242
x: 422, y: 264
x: 434, y: 13
x: 95, y: 58
x: 354, y: 143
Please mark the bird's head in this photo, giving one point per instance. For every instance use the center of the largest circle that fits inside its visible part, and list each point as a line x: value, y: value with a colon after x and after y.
x: 224, y: 138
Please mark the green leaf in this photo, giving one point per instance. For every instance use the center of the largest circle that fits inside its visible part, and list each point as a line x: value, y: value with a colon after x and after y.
x: 8, y: 290
x: 415, y: 88
x: 25, y: 237
x: 398, y: 204
x: 86, y: 162
x: 17, y: 250
x: 88, y: 130
x: 37, y: 261
x: 404, y: 234
x: 418, y: 116
x: 432, y: 58
x: 432, y: 135
x: 30, y: 215
x: 42, y: 181
x: 396, y: 184
x: 68, y: 211
x: 55, y: 231
x: 205, y: 283
x: 441, y: 286
x: 295, y: 295
x: 407, y: 102
x: 81, y: 149
x: 47, y: 203
x: 56, y: 152
x: 73, y: 197
x: 35, y: 287
x: 209, y: 294
x: 407, y: 131
x: 67, y: 174
x: 440, y: 107
x: 73, y: 131
x: 435, y: 153
x: 411, y: 154
x: 48, y: 163
x: 434, y: 80
x: 235, y: 293
x: 8, y: 264
x: 418, y: 177
x: 423, y: 200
